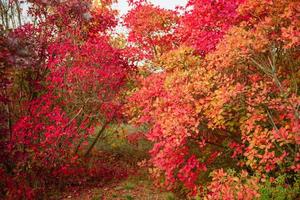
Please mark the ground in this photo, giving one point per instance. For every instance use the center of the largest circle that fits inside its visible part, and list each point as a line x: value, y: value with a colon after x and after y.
x: 134, y: 187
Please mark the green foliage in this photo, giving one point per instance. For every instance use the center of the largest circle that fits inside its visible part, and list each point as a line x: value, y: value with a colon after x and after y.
x: 129, y: 186
x: 279, y: 189
x: 98, y: 197
x: 128, y: 197
x: 170, y: 196
x: 115, y: 141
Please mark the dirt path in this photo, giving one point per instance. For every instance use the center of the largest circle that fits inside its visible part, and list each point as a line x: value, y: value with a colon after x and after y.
x: 133, y: 188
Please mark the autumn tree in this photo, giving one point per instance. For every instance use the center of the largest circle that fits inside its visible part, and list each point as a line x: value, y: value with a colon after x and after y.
x: 72, y: 77
x: 151, y: 30
x: 226, y: 97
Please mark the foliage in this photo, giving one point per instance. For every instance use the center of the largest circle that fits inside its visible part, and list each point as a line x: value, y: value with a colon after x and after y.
x: 232, y: 83
x: 213, y: 86
x: 280, y: 188
x: 125, y: 143
x: 230, y: 186
x: 151, y: 30
x: 68, y: 79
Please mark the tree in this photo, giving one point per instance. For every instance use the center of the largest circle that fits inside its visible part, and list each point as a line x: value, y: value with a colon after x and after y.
x: 151, y: 30
x: 231, y: 97
x: 74, y: 79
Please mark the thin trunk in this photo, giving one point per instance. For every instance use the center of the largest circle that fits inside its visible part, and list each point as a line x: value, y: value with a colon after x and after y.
x: 6, y: 20
x: 78, y: 147
x: 9, y: 122
x: 18, y: 12
x: 100, y: 132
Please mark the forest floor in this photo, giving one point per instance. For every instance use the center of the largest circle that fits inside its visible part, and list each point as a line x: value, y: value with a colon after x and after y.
x: 124, y: 157
x: 134, y: 187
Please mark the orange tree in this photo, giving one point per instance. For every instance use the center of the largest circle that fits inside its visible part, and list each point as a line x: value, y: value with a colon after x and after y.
x: 225, y: 96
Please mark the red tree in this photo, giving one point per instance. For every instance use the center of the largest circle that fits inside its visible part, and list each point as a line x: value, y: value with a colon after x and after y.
x: 75, y: 87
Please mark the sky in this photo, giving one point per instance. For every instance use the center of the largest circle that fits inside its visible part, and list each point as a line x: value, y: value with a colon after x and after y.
x: 169, y: 4
x: 123, y: 7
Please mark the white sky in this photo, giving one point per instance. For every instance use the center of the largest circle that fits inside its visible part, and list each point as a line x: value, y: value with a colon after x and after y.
x: 169, y: 4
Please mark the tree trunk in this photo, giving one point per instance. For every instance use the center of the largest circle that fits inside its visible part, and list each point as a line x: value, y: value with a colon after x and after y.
x: 100, y: 132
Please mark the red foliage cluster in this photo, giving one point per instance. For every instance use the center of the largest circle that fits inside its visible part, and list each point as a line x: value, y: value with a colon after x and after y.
x: 205, y: 23
x: 67, y: 78
x: 152, y: 29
